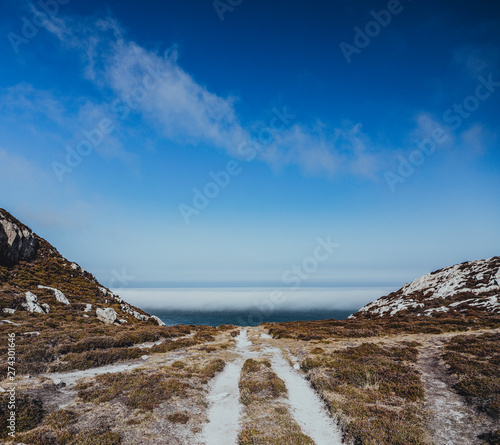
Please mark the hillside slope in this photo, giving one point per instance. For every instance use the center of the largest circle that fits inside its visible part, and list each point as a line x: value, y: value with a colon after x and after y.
x: 469, y: 288
x: 36, y: 279
x: 61, y: 316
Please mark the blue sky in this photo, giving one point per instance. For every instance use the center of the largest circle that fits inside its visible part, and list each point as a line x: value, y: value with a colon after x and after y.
x: 381, y: 136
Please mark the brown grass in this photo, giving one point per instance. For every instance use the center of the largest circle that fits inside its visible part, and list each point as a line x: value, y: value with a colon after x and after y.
x: 380, y: 327
x: 147, y: 389
x: 29, y: 413
x: 266, y: 418
x: 182, y: 418
x: 475, y: 362
x: 373, y: 390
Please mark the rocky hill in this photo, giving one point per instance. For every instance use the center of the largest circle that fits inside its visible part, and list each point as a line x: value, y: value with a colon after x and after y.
x: 36, y: 279
x: 464, y: 289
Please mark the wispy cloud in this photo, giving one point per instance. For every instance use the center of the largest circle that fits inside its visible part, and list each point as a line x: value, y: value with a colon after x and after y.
x: 153, y: 86
x: 475, y: 59
x: 186, y: 112
x: 64, y: 119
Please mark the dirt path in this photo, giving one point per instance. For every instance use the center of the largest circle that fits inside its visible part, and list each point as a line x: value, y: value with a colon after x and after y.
x: 224, y: 412
x: 452, y: 422
x: 305, y: 406
x: 224, y: 409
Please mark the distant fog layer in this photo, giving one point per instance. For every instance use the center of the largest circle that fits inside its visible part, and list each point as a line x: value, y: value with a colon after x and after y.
x: 244, y: 298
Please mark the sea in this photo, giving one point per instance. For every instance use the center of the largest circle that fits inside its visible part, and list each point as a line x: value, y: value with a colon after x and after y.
x: 243, y: 318
x: 249, y: 306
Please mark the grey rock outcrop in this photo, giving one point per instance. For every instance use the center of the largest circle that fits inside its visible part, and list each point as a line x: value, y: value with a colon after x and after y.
x: 17, y: 242
x: 58, y: 294
x: 32, y: 304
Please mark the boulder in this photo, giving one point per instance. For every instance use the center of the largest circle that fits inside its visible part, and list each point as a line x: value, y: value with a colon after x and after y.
x: 107, y: 315
x: 32, y: 304
x: 160, y: 323
x: 57, y: 293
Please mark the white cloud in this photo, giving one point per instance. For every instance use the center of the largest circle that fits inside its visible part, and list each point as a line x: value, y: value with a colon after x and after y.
x: 156, y: 87
x: 159, y: 88
x: 475, y: 138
